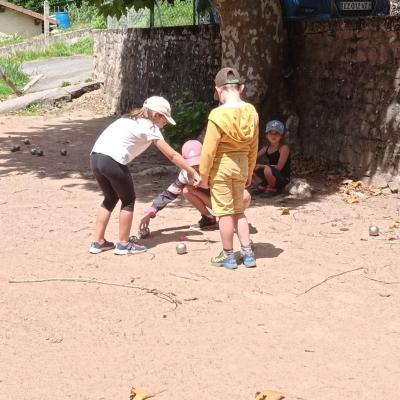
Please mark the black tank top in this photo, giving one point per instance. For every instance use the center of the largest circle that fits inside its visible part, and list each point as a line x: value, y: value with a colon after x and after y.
x: 273, y: 159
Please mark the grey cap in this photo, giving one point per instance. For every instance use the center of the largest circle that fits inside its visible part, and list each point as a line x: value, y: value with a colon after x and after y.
x: 275, y: 125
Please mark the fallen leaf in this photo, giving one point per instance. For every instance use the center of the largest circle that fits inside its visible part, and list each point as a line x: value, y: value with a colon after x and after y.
x: 352, y: 200
x: 359, y: 184
x: 140, y: 394
x: 269, y: 395
x: 285, y: 211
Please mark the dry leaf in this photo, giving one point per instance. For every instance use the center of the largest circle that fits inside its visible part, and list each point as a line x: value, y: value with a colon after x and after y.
x: 269, y: 395
x: 352, y: 200
x: 359, y: 184
x: 140, y: 394
x: 285, y: 211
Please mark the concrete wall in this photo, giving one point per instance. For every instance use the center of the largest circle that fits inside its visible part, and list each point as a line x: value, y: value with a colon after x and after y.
x: 38, y: 42
x: 13, y: 22
x: 137, y: 63
x: 345, y: 82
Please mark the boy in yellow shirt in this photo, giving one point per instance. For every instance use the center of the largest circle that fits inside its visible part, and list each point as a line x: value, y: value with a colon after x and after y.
x: 227, y: 162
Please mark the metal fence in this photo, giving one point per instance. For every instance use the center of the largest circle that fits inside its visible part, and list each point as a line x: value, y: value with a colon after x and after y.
x: 182, y: 13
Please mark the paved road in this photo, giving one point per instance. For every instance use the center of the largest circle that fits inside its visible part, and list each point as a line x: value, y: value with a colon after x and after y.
x: 72, y: 69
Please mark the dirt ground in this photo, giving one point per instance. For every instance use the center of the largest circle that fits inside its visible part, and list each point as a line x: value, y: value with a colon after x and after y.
x: 92, y: 326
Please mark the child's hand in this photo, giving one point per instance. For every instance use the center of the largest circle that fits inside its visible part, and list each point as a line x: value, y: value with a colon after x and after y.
x: 144, y: 223
x: 195, y: 178
x: 248, y: 182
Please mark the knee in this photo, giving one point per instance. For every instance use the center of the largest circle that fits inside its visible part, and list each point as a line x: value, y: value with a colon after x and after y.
x: 267, y: 171
x: 109, y: 203
x: 128, y: 204
x: 246, y: 199
x: 187, y: 190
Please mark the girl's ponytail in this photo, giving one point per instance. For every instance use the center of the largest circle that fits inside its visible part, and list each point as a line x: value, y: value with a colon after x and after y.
x: 142, y: 112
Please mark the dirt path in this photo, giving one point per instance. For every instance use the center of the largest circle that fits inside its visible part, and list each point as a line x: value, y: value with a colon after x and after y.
x: 203, y: 332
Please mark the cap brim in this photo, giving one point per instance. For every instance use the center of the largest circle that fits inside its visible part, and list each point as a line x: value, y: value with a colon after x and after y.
x: 170, y: 120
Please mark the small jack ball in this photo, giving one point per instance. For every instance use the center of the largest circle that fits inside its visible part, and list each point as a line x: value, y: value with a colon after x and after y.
x: 63, y: 152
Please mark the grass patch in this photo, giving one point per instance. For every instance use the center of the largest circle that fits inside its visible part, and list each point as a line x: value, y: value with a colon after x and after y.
x: 13, y: 70
x: 31, y: 110
x: 58, y: 49
x: 9, y: 40
x: 65, y: 83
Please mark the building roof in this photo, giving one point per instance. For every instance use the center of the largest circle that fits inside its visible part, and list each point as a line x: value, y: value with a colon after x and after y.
x: 22, y: 10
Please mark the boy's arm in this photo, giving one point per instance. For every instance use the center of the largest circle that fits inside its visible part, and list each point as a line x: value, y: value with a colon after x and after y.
x: 253, y: 153
x: 209, y: 150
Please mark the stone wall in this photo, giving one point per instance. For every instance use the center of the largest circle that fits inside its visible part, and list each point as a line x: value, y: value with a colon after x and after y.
x: 395, y: 7
x: 137, y: 63
x: 38, y: 42
x: 345, y: 81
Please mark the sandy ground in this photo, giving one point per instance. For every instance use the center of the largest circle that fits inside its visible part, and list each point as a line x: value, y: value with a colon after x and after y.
x: 93, y: 326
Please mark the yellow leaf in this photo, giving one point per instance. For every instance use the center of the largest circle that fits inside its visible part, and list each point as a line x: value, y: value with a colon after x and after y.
x: 140, y: 394
x: 359, y: 184
x: 269, y: 395
x: 285, y: 211
x: 352, y: 200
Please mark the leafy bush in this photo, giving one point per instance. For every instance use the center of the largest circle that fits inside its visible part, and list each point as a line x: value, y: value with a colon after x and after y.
x: 191, y: 119
x: 86, y: 14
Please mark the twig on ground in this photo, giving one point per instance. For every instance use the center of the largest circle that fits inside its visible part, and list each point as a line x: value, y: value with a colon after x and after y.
x: 200, y: 276
x: 385, y: 283
x: 4, y: 202
x: 19, y: 191
x: 169, y: 297
x: 329, y: 278
x: 185, y: 277
x: 65, y: 190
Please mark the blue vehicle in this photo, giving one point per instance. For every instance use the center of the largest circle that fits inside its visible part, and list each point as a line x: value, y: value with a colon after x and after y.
x: 325, y: 9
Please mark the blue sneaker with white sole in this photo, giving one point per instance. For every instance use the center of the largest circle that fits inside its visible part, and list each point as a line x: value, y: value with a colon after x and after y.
x: 130, y: 248
x: 249, y: 259
x: 222, y: 260
x: 96, y: 248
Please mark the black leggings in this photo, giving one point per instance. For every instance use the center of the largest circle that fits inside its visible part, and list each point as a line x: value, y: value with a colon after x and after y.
x: 114, y: 180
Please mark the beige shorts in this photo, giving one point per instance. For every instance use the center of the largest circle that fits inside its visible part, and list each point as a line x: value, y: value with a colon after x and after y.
x: 228, y: 180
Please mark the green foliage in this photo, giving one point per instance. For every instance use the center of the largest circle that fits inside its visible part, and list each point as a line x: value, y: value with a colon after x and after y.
x: 9, y: 40
x: 65, y: 83
x: 13, y: 70
x: 58, y: 49
x: 191, y: 119
x: 86, y: 14
x: 31, y: 110
x: 118, y: 8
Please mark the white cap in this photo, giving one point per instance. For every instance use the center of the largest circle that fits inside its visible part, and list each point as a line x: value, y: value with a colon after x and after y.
x: 161, y: 106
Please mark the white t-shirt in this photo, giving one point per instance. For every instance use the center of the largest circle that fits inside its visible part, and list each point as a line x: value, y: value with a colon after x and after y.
x: 126, y: 138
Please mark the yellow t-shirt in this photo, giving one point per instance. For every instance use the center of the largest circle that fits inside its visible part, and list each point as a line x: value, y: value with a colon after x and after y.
x: 230, y: 129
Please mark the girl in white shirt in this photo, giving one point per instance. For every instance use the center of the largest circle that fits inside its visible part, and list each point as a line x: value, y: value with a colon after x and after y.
x: 118, y: 145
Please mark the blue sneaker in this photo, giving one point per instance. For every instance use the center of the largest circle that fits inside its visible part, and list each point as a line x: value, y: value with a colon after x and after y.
x: 222, y: 260
x: 96, y: 248
x: 130, y: 248
x: 249, y: 259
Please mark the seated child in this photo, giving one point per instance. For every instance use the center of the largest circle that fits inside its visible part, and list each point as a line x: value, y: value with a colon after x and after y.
x: 273, y: 174
x: 199, y: 198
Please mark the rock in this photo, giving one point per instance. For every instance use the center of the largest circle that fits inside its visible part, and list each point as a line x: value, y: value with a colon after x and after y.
x: 299, y: 188
x: 394, y: 184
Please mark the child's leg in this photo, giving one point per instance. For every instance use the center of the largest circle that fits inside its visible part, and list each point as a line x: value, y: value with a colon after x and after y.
x: 246, y: 199
x: 125, y: 225
x: 269, y: 176
x: 226, y: 230
x: 242, y: 229
x: 103, y: 217
x: 197, y: 198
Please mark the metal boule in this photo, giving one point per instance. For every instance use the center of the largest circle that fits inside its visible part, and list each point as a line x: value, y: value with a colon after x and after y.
x: 181, y: 248
x: 373, y: 230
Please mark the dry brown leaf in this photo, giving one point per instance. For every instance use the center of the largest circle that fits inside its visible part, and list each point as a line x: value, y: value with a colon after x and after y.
x: 269, y: 395
x: 352, y: 200
x: 285, y: 211
x: 140, y: 394
x: 359, y: 184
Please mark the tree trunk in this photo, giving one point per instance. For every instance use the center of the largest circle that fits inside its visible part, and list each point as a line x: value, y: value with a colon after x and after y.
x: 252, y: 41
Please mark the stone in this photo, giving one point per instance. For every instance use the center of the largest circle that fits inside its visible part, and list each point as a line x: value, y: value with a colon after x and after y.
x: 299, y: 188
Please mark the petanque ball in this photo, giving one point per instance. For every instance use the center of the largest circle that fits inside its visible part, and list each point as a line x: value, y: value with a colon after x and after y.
x: 181, y: 248
x: 39, y: 153
x: 373, y: 230
x: 144, y: 233
x: 15, y: 148
x: 63, y: 152
x: 33, y: 151
x: 27, y: 141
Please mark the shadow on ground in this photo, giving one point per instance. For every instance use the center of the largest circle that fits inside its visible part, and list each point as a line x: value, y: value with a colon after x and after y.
x: 77, y: 137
